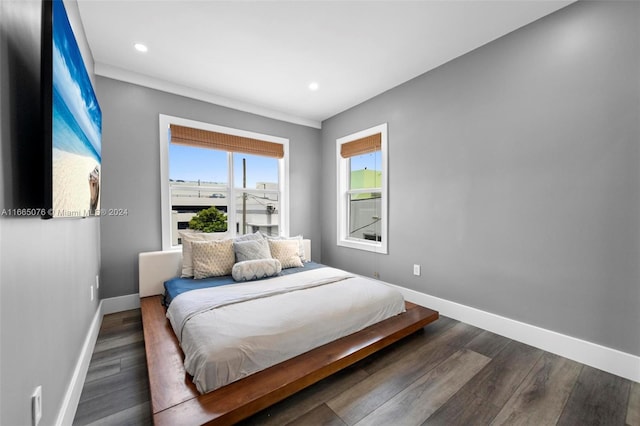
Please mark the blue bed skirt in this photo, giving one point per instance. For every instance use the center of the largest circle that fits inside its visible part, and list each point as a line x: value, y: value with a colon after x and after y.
x: 176, y: 286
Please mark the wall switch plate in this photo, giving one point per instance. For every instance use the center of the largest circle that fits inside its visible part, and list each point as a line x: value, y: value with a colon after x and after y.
x: 97, y: 281
x: 416, y: 270
x: 36, y: 406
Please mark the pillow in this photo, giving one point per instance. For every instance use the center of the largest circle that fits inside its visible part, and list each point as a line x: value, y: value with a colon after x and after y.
x: 187, y: 238
x: 287, y: 252
x: 212, y: 258
x: 250, y: 237
x: 297, y: 238
x: 251, y: 250
x: 249, y: 270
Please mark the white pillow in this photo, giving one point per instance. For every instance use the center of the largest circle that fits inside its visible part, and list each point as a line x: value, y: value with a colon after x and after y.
x: 212, y: 258
x: 249, y: 270
x: 287, y: 252
x: 188, y: 237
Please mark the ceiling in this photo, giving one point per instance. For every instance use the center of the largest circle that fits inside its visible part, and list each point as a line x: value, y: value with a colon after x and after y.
x: 260, y: 56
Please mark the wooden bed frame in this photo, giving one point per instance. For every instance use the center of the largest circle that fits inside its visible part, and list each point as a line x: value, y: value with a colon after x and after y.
x: 174, y: 398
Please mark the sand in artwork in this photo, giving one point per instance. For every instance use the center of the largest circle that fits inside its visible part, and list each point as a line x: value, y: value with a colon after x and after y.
x: 72, y: 176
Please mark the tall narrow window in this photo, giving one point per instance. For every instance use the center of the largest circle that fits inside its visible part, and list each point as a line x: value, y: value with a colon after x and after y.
x: 362, y: 190
x: 241, y: 174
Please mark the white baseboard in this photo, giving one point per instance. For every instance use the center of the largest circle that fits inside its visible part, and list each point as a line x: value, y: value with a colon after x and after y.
x: 121, y: 303
x: 74, y: 390
x: 610, y: 360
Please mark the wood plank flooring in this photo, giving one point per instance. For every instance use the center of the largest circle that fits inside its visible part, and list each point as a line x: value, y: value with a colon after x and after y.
x: 449, y: 373
x: 116, y: 390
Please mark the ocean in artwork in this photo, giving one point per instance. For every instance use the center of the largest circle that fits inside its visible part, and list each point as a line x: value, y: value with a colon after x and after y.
x: 77, y: 126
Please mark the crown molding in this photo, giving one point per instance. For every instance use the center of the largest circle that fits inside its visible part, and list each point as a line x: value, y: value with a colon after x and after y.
x: 116, y: 73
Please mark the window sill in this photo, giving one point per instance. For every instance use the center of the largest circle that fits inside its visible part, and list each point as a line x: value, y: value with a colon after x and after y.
x: 372, y: 246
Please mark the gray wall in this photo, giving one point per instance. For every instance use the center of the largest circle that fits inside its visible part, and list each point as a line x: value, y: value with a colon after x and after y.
x: 131, y: 172
x: 46, y: 267
x: 515, y: 177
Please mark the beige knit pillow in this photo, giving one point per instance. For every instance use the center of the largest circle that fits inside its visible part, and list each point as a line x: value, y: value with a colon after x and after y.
x: 287, y: 252
x: 212, y: 258
x: 187, y: 237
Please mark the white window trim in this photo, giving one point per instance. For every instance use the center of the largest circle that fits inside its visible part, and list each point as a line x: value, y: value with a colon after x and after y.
x: 165, y: 196
x: 342, y: 168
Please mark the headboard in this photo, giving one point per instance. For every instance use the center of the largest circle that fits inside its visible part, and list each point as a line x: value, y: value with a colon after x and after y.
x: 156, y: 267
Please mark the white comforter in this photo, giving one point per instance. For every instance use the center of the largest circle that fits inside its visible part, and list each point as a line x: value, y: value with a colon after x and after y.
x: 232, y: 331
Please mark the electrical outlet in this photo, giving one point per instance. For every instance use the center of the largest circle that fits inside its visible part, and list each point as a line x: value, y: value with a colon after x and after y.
x: 36, y: 406
x: 376, y: 275
x: 97, y: 281
x: 416, y: 270
x: 92, y: 293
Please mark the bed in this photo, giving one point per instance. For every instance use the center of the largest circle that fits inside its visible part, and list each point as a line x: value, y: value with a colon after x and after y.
x: 178, y: 397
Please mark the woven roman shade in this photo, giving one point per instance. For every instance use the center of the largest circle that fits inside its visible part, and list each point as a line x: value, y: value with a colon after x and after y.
x: 207, y: 139
x: 361, y: 146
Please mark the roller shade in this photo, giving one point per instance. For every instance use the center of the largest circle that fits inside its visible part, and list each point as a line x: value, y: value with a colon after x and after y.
x: 207, y: 139
x: 361, y: 146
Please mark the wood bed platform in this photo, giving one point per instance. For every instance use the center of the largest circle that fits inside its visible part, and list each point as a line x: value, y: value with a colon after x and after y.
x: 175, y: 400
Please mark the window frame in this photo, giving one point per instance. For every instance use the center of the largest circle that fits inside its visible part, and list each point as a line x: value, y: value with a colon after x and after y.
x: 165, y: 192
x: 343, y: 192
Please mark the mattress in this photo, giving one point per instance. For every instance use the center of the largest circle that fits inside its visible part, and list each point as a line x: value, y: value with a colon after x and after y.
x: 229, y: 332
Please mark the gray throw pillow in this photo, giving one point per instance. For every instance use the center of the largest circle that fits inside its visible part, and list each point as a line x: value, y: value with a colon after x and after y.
x: 251, y: 250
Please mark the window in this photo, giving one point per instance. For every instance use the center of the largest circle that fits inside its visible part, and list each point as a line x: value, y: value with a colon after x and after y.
x: 240, y: 173
x: 362, y: 189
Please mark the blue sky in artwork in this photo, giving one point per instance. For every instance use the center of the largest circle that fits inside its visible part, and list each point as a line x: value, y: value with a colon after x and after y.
x: 77, y: 119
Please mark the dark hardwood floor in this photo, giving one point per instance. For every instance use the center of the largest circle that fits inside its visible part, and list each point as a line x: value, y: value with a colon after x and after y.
x: 116, y: 390
x: 449, y: 373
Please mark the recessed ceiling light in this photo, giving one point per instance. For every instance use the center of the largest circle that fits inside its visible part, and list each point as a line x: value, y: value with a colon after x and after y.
x: 313, y: 86
x: 140, y: 47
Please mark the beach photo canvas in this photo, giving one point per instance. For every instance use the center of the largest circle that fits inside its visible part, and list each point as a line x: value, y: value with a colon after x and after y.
x: 76, y: 127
